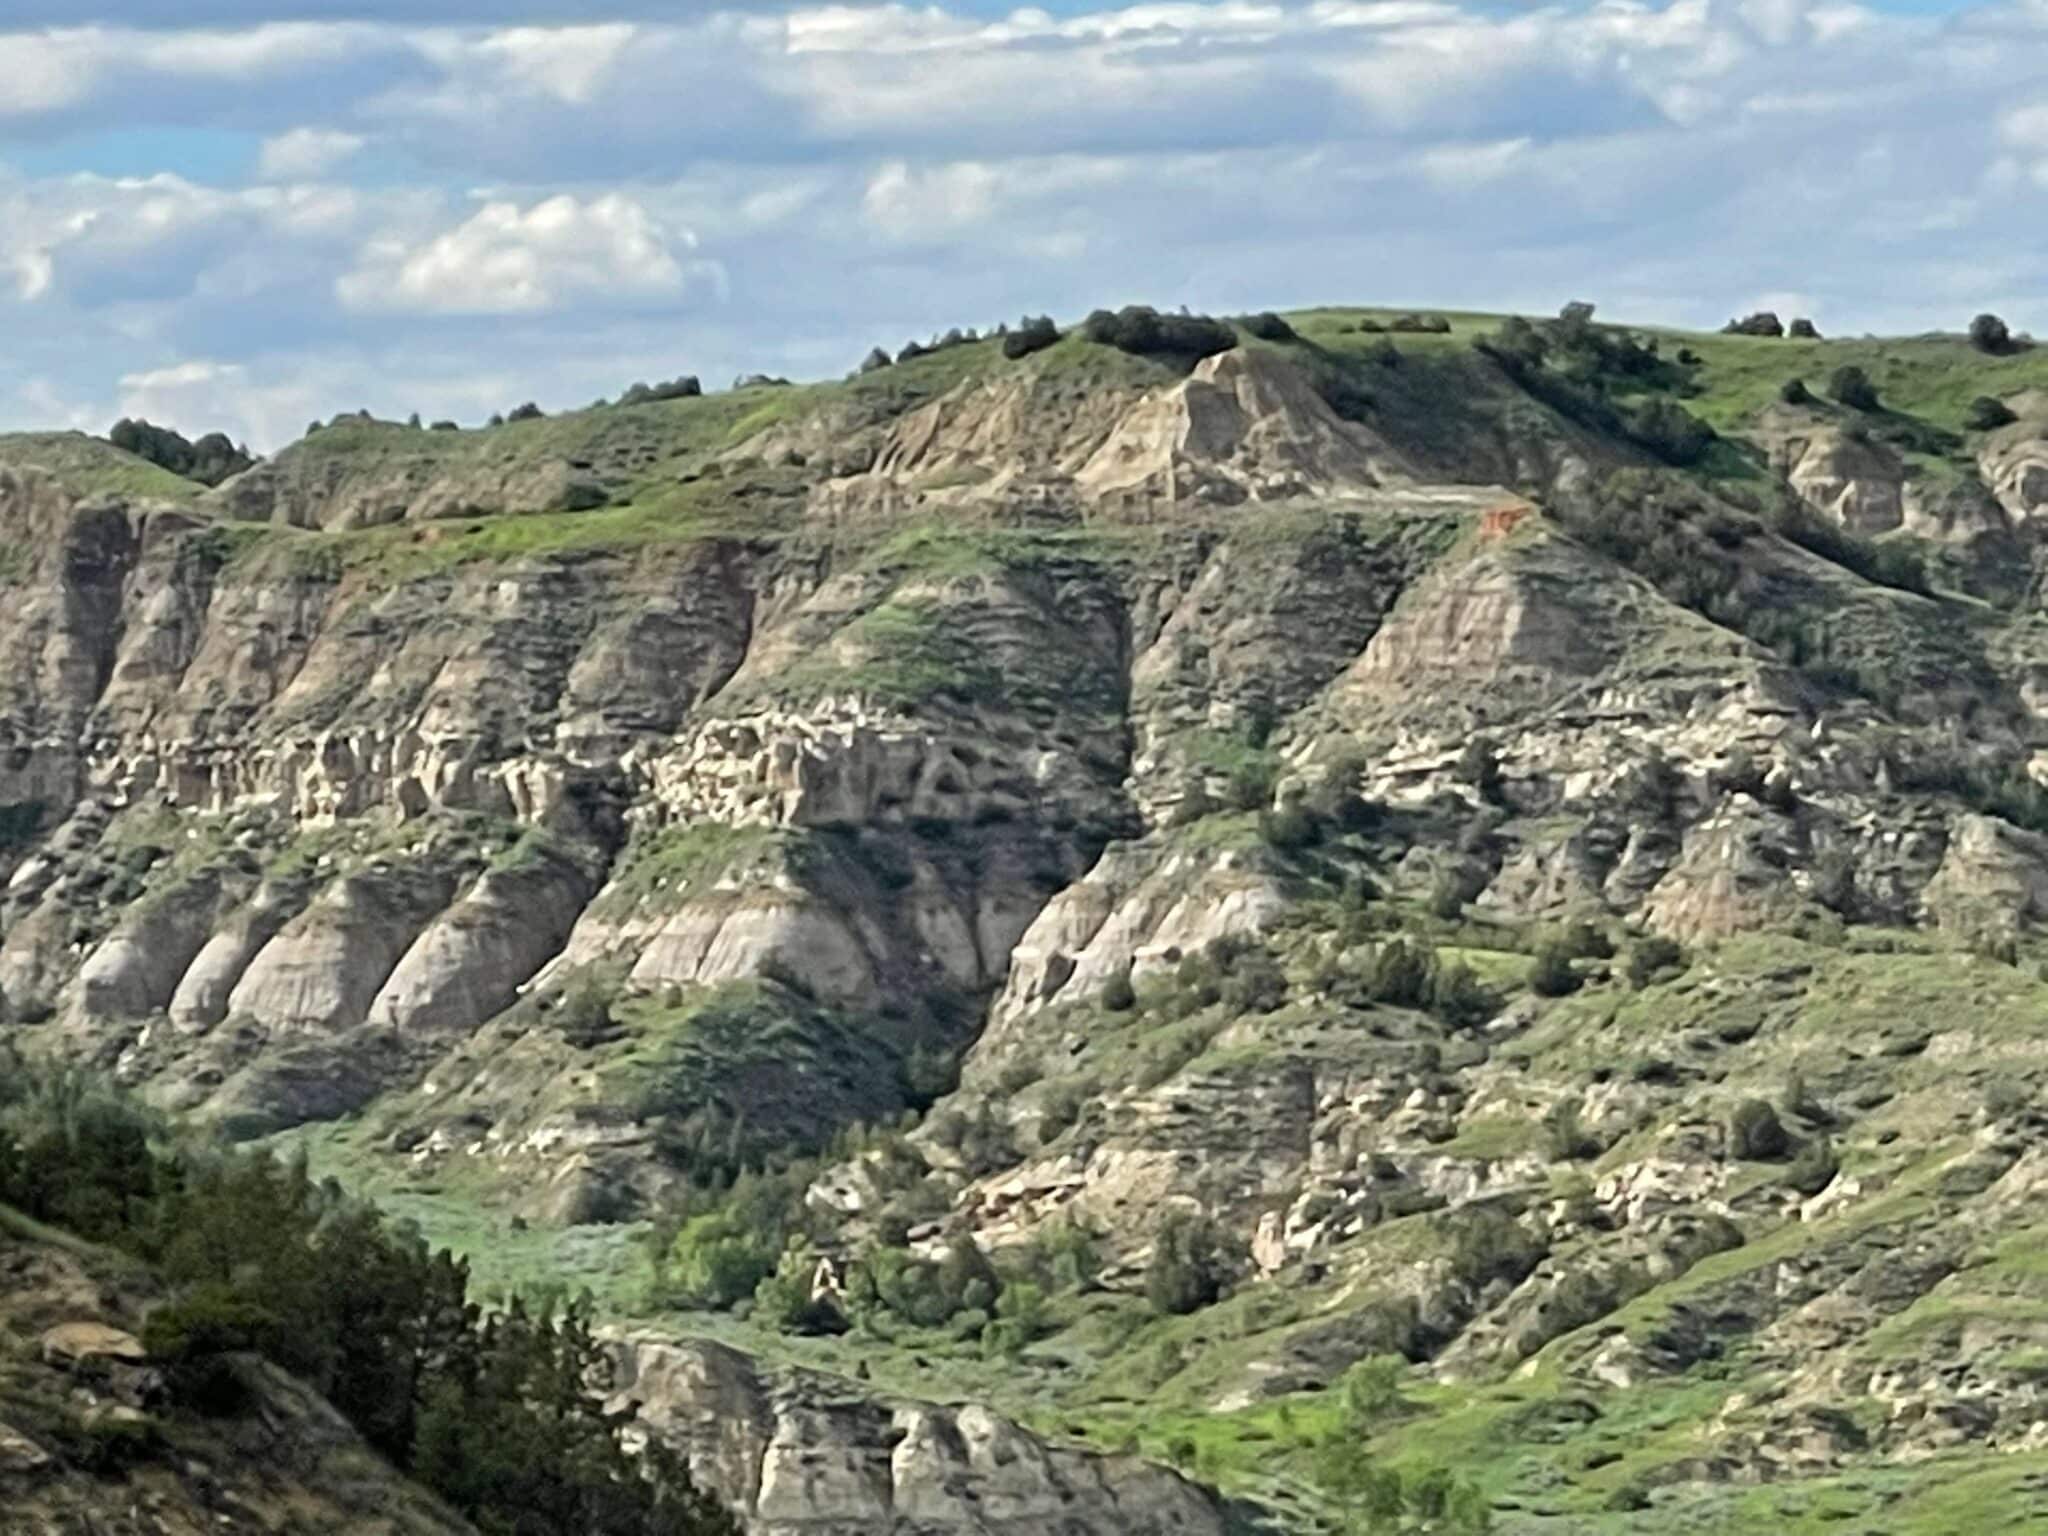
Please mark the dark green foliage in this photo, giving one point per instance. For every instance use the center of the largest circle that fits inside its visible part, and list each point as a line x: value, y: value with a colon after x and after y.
x: 685, y: 388
x: 1851, y: 386
x: 1987, y: 414
x: 1252, y: 781
x: 1583, y: 941
x: 1457, y: 996
x: 1118, y: 995
x: 1290, y: 828
x: 1565, y: 1134
x: 502, y: 1415
x: 1762, y: 323
x: 1267, y: 326
x: 1755, y: 1133
x: 1479, y: 766
x: 1034, y: 333
x: 1140, y: 329
x: 1669, y: 431
x: 1422, y: 325
x: 1551, y: 973
x: 1400, y: 974
x: 1814, y: 1168
x: 1187, y: 1270
x: 527, y: 412
x: 1804, y: 329
x: 1795, y: 392
x: 1253, y: 981
x: 1650, y: 957
x: 1889, y: 564
x: 211, y: 460
x: 1990, y: 334
x: 445, y: 426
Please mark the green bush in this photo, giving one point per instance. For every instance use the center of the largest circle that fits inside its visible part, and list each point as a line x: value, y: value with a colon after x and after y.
x: 1795, y: 392
x: 1142, y: 330
x: 1187, y: 1270
x: 1804, y: 330
x: 1118, y: 995
x: 1762, y: 323
x: 1034, y: 333
x: 1987, y: 414
x: 1990, y: 334
x: 1267, y: 326
x: 715, y: 1262
x: 1551, y: 973
x: 1565, y: 1134
x: 1290, y: 829
x: 1814, y: 1168
x: 1650, y: 957
x: 1851, y: 386
x: 1755, y: 1134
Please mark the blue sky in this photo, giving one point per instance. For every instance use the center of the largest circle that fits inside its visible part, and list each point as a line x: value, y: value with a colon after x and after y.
x: 251, y: 213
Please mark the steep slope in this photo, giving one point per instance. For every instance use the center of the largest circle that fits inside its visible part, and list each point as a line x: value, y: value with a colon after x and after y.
x: 1262, y: 783
x: 87, y: 1441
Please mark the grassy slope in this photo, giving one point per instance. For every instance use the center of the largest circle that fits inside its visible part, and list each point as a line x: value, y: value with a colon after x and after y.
x: 95, y: 467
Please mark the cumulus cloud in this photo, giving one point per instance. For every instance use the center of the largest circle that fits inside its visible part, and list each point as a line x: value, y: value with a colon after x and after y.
x: 304, y: 154
x: 508, y: 260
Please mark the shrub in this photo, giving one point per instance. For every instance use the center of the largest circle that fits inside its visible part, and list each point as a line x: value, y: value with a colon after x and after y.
x: 1650, y: 957
x: 1755, y: 1133
x: 1370, y: 1390
x: 1267, y: 326
x: 527, y: 412
x: 1583, y: 941
x: 1551, y: 973
x: 1254, y: 983
x: 1141, y: 330
x: 715, y: 1262
x: 446, y: 426
x: 1814, y: 1168
x: 1118, y: 995
x: 1252, y: 782
x: 1034, y: 333
x: 1458, y: 997
x: 1186, y: 1271
x: 1062, y: 1106
x: 1988, y: 333
x: 1565, y: 1134
x: 1762, y: 323
x: 1669, y: 431
x: 1479, y: 766
x: 211, y: 460
x: 1851, y: 386
x: 1401, y: 975
x: 1795, y: 392
x: 1804, y: 330
x: 1292, y: 827
x: 875, y: 360
x: 1427, y: 325
x: 1987, y: 413
x: 1448, y: 895
x: 684, y: 388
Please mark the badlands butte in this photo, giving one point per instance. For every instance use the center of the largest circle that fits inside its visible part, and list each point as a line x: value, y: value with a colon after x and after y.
x: 1058, y: 927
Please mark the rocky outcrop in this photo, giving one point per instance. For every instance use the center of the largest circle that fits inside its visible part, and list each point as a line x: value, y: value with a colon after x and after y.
x: 803, y: 1455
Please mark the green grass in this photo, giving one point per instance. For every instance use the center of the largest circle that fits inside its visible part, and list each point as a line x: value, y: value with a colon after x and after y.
x: 91, y: 466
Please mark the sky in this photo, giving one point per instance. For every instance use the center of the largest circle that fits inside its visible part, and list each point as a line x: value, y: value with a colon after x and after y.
x: 248, y: 214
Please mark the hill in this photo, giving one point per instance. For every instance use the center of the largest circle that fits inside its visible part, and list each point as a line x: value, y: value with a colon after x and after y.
x: 1470, y: 883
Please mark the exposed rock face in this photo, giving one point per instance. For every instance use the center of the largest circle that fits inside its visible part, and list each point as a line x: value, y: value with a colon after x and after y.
x: 797, y: 1455
x: 593, y: 801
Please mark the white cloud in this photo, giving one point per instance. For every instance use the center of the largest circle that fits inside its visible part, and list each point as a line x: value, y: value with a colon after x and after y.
x: 508, y: 260
x: 305, y: 154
